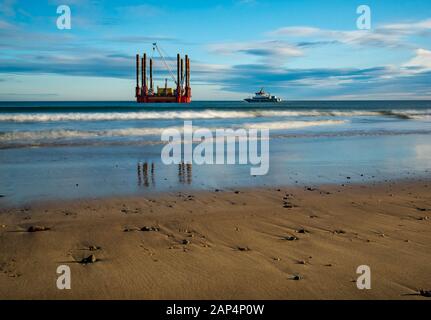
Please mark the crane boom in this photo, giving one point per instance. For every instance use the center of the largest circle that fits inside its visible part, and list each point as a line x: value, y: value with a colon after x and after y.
x: 165, y: 63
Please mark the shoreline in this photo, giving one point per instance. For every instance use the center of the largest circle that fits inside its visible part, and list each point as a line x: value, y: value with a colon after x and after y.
x: 367, y: 181
x: 241, y: 243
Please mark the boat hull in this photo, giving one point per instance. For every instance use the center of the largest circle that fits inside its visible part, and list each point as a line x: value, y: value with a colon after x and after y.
x: 262, y: 101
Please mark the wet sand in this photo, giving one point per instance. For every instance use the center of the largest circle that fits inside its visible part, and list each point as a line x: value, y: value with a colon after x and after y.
x: 257, y: 243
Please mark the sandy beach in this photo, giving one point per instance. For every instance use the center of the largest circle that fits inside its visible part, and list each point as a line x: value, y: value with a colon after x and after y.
x: 258, y: 243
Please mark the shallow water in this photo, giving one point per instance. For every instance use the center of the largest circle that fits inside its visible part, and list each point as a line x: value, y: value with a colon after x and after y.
x: 92, y: 149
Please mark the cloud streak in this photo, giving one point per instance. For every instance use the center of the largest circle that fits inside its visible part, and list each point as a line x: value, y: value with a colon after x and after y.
x: 388, y: 35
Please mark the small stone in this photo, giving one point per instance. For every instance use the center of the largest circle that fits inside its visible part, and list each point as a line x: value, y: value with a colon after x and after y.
x: 37, y: 229
x: 290, y: 238
x: 339, y: 231
x: 296, y: 277
x: 236, y: 192
x: 243, y: 248
x: 425, y: 293
x: 276, y: 259
x: 146, y: 228
x: 185, y: 242
x: 90, y: 259
x: 302, y: 231
x: 94, y: 248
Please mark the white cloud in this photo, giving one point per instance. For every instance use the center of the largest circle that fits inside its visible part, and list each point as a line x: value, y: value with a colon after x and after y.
x: 389, y: 35
x: 269, y: 51
x: 407, y: 28
x: 421, y: 62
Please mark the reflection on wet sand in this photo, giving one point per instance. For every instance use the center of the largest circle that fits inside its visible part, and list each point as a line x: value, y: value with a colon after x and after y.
x: 185, y: 172
x: 146, y: 173
x: 143, y: 177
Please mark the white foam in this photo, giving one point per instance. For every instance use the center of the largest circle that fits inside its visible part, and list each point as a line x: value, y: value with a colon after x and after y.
x: 284, y: 125
x: 56, y: 134
x: 167, y: 115
x: 76, y: 134
x: 112, y: 116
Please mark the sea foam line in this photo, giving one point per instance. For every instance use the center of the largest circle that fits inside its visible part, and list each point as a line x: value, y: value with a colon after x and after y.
x: 168, y: 115
x: 55, y: 134
x: 285, y: 125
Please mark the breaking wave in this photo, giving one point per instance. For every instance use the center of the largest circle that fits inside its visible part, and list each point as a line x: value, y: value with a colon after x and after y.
x: 203, y: 114
x: 56, y: 134
x: 77, y: 134
x: 285, y: 125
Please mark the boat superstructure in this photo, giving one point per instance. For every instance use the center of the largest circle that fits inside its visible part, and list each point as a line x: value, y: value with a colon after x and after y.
x: 262, y: 96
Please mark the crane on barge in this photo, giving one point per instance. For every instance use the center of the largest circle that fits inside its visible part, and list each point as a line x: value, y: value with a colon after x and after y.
x: 145, y: 93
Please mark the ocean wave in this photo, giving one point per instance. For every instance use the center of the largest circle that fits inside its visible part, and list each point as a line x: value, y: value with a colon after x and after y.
x: 142, y: 142
x: 202, y: 114
x: 284, y: 125
x: 77, y: 134
x: 408, y: 114
x: 56, y: 134
x: 115, y: 116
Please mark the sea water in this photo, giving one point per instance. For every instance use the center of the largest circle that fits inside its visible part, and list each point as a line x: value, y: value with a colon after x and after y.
x: 51, y: 150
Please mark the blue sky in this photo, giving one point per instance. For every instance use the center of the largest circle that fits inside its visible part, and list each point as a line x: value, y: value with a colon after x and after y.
x: 298, y: 49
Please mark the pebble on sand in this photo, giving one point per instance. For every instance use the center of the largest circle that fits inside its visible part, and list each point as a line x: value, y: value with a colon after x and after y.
x: 339, y: 231
x: 146, y: 228
x: 243, y: 248
x: 37, y: 229
x: 90, y: 259
x: 296, y: 277
x: 290, y: 238
x: 425, y: 293
x: 302, y: 230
